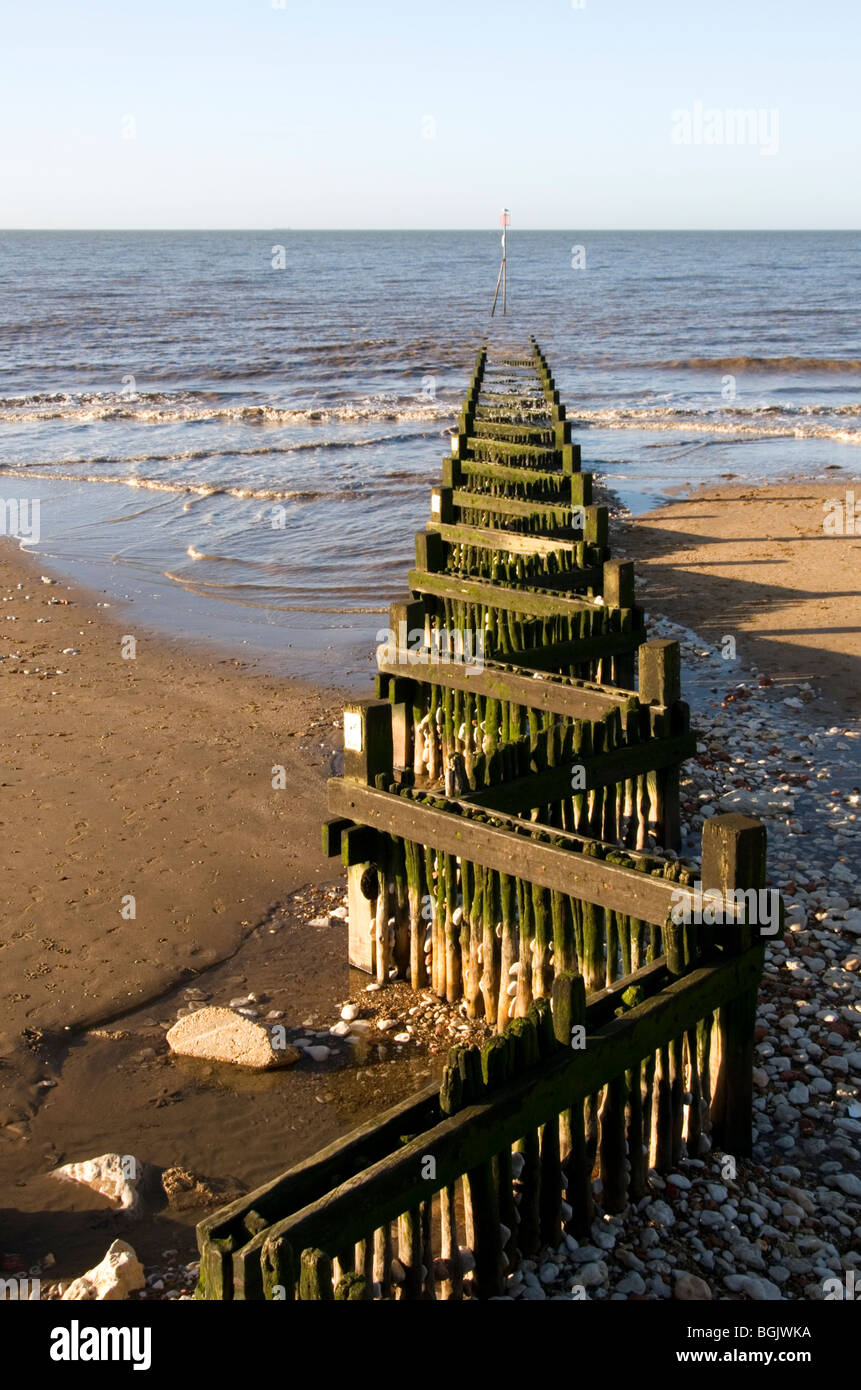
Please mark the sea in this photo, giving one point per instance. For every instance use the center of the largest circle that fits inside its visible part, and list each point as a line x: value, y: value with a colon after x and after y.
x: 235, y: 433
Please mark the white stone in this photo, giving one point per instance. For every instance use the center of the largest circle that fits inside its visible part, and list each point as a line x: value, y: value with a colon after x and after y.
x: 115, y: 1277
x: 350, y: 1012
x: 220, y: 1035
x: 113, y: 1175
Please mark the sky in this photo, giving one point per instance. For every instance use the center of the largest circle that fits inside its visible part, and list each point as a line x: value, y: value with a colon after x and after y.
x: 299, y: 114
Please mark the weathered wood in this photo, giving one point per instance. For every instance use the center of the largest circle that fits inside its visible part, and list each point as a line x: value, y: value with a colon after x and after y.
x: 609, y: 885
x: 558, y: 694
x: 548, y: 513
x: 536, y: 603
x: 601, y: 769
x: 660, y: 672
x: 734, y: 852
x: 367, y: 740
x: 465, y: 1139
x: 515, y: 542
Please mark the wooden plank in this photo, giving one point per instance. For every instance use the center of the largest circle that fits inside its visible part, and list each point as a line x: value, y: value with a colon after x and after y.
x: 556, y: 655
x: 462, y: 1141
x: 512, y: 506
x: 566, y: 871
x: 537, y: 434
x: 488, y: 538
x: 510, y: 473
x: 535, y: 603
x: 481, y: 442
x: 575, y: 699
x: 602, y: 769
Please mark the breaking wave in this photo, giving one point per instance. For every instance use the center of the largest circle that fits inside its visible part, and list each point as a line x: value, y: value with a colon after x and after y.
x: 158, y: 408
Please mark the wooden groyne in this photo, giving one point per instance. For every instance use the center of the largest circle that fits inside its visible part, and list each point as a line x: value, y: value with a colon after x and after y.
x: 509, y: 821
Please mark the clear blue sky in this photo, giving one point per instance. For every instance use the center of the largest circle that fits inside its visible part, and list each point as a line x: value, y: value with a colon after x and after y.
x: 315, y: 114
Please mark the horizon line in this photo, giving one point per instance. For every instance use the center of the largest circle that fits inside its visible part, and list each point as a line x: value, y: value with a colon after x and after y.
x: 490, y: 231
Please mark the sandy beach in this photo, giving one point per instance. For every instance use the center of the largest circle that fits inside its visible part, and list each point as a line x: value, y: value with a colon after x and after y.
x: 756, y: 564
x: 152, y: 776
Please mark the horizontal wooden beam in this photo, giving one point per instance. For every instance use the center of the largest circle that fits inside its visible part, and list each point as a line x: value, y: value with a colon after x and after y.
x: 489, y: 538
x: 579, y: 875
x: 600, y: 769
x: 555, y: 656
x: 547, y: 513
x: 563, y: 695
x: 535, y: 603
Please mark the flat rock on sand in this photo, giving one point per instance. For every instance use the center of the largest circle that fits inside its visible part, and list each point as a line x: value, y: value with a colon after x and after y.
x: 220, y: 1035
x: 113, y: 1175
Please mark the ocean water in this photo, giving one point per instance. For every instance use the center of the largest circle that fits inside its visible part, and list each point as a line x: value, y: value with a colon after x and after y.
x: 237, y: 431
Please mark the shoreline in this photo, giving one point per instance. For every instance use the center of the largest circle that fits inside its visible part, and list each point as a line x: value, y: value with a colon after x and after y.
x: 280, y: 936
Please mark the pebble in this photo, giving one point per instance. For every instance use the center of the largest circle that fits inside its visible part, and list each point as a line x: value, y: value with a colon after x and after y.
x: 595, y: 1272
x: 690, y: 1288
x: 660, y: 1213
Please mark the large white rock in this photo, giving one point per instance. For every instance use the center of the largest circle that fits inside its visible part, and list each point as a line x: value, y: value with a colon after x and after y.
x: 118, y: 1275
x: 114, y: 1175
x: 220, y: 1035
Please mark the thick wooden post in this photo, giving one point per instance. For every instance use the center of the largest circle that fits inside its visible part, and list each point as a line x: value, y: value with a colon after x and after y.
x: 368, y: 753
x: 618, y: 590
x: 661, y: 684
x: 660, y: 672
x: 734, y: 852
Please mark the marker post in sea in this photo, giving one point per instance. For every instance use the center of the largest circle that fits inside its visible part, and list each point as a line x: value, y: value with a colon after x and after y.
x: 504, y: 221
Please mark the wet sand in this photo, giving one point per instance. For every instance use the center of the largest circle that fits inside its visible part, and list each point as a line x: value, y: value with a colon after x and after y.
x: 147, y: 779
x: 756, y: 564
x: 152, y: 777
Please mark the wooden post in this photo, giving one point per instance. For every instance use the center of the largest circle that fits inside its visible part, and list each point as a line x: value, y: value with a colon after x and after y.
x: 442, y: 507
x: 368, y: 752
x: 315, y: 1277
x: 660, y: 672
x: 734, y: 854
x: 661, y: 684
x: 596, y: 526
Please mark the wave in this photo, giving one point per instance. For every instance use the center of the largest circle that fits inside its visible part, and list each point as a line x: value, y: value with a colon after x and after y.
x: 159, y: 408
x: 198, y: 455
x: 759, y: 422
x: 196, y: 490
x: 758, y: 364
